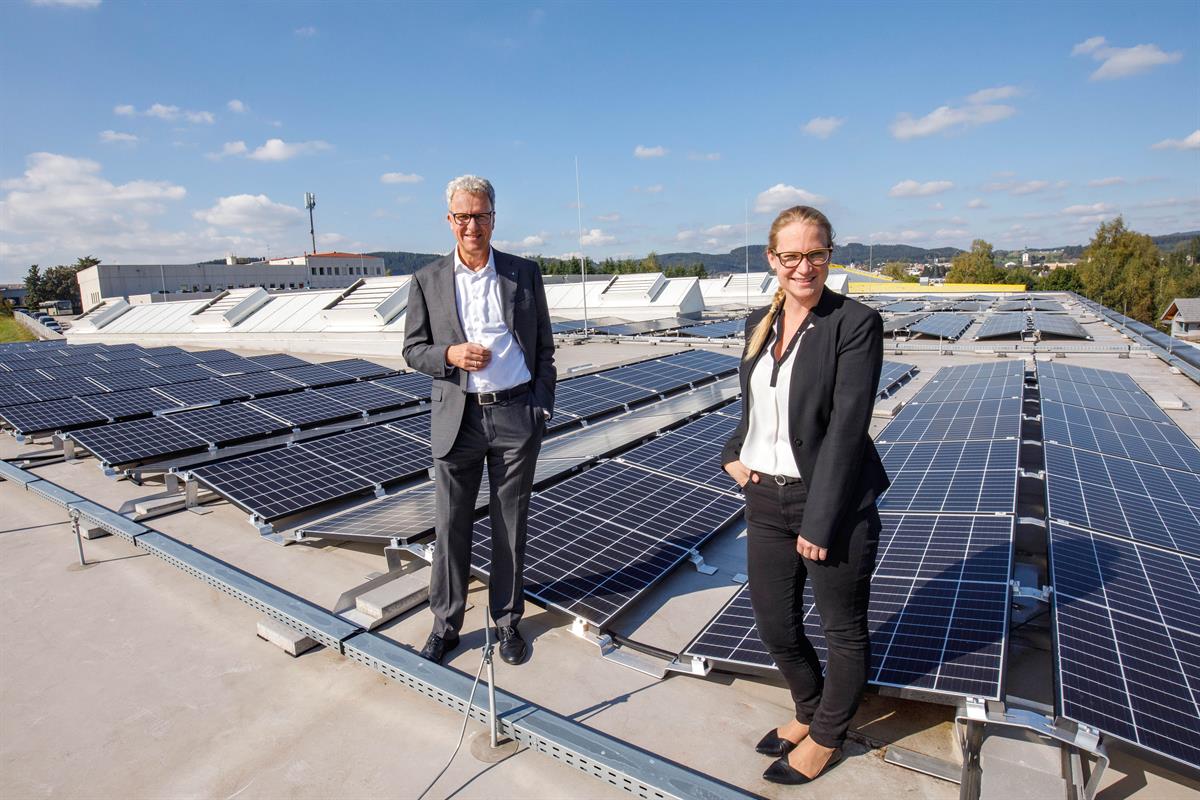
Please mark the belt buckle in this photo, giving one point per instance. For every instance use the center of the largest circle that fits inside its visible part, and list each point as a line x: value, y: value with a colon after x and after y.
x: 780, y: 480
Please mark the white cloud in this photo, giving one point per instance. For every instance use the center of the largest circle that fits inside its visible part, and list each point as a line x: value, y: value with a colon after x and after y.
x: 822, y: 127
x: 781, y: 196
x: 229, y: 149
x: 976, y: 202
x: 993, y: 94
x: 1082, y: 210
x: 911, y: 188
x: 124, y: 110
x: 200, y: 117
x: 614, y: 217
x: 63, y: 195
x: 1113, y: 181
x: 237, y: 106
x: 685, y: 236
x: 722, y: 230
x: 525, y: 245
x: 250, y: 213
x: 1020, y: 188
x: 655, y: 188
x: 1121, y: 62
x: 1190, y: 142
x: 947, y: 118
x: 306, y: 32
x: 704, y: 156
x: 596, y: 238
x: 67, y: 3
x: 641, y: 151
x: 400, y: 177
x: 279, y: 150
x: 889, y: 237
x: 950, y: 233
x: 162, y: 111
x: 117, y: 137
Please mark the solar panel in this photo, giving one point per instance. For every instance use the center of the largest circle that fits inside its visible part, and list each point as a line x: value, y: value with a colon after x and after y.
x: 170, y: 359
x: 945, y: 326
x: 1012, y: 305
x: 213, y: 390
x: 315, y: 375
x: 413, y: 383
x: 416, y: 426
x: 716, y: 330
x: 214, y: 355
x: 892, y: 375
x: 1118, y: 435
x: 279, y: 482
x: 65, y: 387
x: 71, y: 371
x: 1046, y: 305
x: 568, y: 326
x: 225, y: 424
x: 654, y: 377
x: 359, y: 368
x: 734, y: 409
x: 904, y: 322
x: 137, y: 440
x: 592, y: 394
x: 183, y: 373
x: 376, y: 453
x: 405, y: 516
x: 304, y: 408
x: 130, y: 403
x: 279, y: 361
x: 163, y: 350
x: 1002, y: 324
x: 366, y: 396
x: 14, y: 396
x: 972, y: 419
x: 1095, y: 377
x: 1058, y: 325
x: 951, y: 477
x: 705, y: 361
x: 1128, y: 640
x: 1101, y: 398
x: 1143, y: 502
x: 904, y: 307
x: 938, y: 613
x: 51, y: 415
x: 232, y: 366
x: 692, y: 451
x: 260, y: 384
x: 119, y: 381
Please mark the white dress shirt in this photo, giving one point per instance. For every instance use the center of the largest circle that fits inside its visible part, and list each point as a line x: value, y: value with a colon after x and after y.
x: 768, y: 444
x: 477, y: 295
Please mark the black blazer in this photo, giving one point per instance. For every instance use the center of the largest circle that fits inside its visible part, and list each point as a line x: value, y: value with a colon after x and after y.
x: 834, y: 381
x: 432, y: 325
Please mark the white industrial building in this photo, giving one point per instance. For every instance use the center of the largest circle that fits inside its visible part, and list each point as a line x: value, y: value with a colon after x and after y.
x: 310, y: 271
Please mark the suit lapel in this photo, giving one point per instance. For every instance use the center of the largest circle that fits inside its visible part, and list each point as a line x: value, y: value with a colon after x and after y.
x: 507, y: 279
x: 444, y: 284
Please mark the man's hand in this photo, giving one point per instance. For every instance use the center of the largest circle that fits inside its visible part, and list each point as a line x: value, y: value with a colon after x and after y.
x: 469, y: 356
x: 809, y: 550
x: 740, y: 473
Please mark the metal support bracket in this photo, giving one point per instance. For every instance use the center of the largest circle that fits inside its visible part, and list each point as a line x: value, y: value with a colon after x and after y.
x: 1038, y: 475
x: 698, y: 562
x: 1042, y: 595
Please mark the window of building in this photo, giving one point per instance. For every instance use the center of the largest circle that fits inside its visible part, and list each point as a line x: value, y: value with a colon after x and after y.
x: 314, y: 270
x: 337, y: 270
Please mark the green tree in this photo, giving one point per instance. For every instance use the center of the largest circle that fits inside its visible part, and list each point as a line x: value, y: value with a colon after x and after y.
x: 33, y: 286
x: 1063, y: 279
x: 976, y: 266
x: 1181, y: 274
x: 897, y: 270
x: 1123, y: 270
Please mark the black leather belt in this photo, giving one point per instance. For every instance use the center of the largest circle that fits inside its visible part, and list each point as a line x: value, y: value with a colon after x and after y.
x: 778, y: 480
x: 491, y: 398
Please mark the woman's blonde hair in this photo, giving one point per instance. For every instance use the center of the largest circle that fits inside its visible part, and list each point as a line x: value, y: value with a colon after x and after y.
x: 786, y: 217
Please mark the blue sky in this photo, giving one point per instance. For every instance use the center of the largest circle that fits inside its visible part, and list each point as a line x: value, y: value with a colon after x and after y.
x: 156, y: 131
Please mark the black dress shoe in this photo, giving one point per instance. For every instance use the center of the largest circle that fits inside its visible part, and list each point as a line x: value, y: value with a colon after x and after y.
x: 437, y: 646
x: 781, y: 771
x: 512, y: 646
x: 774, y: 745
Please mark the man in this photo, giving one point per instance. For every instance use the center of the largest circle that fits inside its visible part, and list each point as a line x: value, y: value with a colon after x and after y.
x: 478, y: 324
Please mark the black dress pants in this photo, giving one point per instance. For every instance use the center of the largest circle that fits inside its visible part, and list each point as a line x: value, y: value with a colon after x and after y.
x: 841, y: 588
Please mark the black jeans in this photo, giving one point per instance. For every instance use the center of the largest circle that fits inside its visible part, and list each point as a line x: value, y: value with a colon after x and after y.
x: 842, y: 589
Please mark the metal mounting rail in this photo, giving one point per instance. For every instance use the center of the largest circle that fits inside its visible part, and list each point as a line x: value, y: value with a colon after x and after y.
x: 611, y: 760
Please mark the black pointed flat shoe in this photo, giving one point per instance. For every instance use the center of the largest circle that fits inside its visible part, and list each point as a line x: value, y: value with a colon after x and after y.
x: 774, y: 745
x: 781, y: 771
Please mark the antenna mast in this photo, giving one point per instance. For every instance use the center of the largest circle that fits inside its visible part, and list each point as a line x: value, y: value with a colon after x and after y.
x: 310, y: 202
x: 582, y: 258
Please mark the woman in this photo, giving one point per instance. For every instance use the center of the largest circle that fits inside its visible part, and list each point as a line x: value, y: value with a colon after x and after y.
x: 810, y: 473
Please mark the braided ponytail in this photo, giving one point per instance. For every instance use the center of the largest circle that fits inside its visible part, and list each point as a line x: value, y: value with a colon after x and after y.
x: 763, y: 330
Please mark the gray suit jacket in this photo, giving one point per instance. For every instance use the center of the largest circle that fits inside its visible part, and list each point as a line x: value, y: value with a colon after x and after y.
x: 432, y: 325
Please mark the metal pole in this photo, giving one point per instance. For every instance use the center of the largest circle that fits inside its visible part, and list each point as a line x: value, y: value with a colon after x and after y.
x: 493, y: 723
x: 582, y: 259
x: 78, y: 539
x: 747, y: 256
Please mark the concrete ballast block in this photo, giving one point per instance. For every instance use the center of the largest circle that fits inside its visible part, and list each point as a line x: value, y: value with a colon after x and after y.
x: 395, y: 597
x: 286, y: 638
x: 92, y: 533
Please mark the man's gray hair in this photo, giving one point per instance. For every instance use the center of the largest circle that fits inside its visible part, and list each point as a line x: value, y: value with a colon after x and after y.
x: 471, y: 184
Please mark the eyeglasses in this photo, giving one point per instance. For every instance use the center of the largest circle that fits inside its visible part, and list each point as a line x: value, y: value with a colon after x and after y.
x: 463, y: 220
x: 818, y: 258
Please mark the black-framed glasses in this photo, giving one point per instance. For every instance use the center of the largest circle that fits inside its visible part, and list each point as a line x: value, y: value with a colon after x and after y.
x: 463, y: 220
x: 818, y: 257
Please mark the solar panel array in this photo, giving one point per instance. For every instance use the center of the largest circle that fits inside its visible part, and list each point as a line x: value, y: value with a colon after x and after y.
x: 904, y: 322
x: 1123, y: 500
x: 1002, y: 324
x: 943, y: 326
x: 716, y: 330
x: 1058, y: 325
x: 938, y: 616
x: 893, y: 374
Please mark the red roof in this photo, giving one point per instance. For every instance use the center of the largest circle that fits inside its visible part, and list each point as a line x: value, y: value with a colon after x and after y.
x: 336, y: 254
